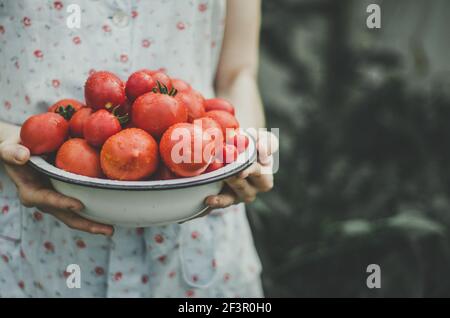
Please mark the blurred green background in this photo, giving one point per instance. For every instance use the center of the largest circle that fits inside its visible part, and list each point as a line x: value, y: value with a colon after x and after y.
x: 364, y: 162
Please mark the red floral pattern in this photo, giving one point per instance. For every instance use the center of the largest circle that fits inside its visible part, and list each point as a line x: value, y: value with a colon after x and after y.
x: 44, y: 62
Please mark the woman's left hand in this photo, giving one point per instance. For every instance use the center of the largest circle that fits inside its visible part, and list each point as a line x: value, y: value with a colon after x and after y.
x: 257, y: 178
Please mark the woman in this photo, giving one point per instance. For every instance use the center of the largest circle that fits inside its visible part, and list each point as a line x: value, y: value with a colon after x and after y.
x: 42, y: 60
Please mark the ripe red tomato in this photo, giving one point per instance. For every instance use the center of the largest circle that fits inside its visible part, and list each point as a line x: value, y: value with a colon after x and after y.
x: 77, y: 156
x: 209, y: 125
x: 240, y: 141
x: 224, y: 119
x: 104, y: 90
x: 163, y: 173
x: 100, y: 126
x: 226, y: 154
x: 76, y: 123
x: 180, y: 85
x: 44, y: 133
x: 65, y: 103
x: 161, y: 77
x: 230, y: 153
x: 66, y: 108
x: 131, y: 154
x: 215, y: 165
x: 124, y: 109
x: 154, y: 113
x: 186, y: 150
x: 144, y: 81
x: 219, y: 104
x: 193, y: 102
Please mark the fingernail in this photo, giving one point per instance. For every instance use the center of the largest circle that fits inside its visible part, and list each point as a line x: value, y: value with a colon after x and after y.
x: 21, y: 154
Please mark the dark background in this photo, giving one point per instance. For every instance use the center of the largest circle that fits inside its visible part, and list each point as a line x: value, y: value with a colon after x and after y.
x: 364, y: 161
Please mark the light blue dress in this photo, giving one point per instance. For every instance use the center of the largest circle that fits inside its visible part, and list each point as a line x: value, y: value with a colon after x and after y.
x: 43, y: 60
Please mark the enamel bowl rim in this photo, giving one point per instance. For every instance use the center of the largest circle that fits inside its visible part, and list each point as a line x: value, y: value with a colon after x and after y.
x: 244, y: 160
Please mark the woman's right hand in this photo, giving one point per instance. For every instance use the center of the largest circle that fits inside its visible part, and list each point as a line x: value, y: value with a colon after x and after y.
x: 35, y: 190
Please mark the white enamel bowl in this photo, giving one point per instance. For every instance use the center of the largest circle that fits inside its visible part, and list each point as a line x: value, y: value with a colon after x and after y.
x: 142, y: 203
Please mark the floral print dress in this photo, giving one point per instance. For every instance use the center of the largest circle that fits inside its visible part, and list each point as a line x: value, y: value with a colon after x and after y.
x: 42, y: 60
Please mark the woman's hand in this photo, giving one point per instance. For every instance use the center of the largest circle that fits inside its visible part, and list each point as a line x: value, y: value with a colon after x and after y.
x: 35, y: 190
x: 257, y: 178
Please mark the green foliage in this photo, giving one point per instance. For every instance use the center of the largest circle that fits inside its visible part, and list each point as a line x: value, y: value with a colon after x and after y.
x: 364, y: 173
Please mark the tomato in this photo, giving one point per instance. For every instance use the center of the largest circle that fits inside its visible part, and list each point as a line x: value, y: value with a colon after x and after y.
x: 65, y: 103
x: 185, y: 150
x: 124, y: 109
x: 193, y: 102
x: 219, y: 104
x: 215, y: 165
x: 139, y: 83
x: 224, y: 119
x: 180, y: 85
x: 76, y: 123
x: 226, y: 154
x: 211, y: 127
x: 163, y: 79
x: 100, y: 126
x: 240, y: 141
x: 44, y: 133
x: 230, y: 153
x: 66, y: 108
x: 104, y: 90
x: 131, y: 154
x: 163, y: 173
x: 144, y: 81
x: 154, y: 113
x: 192, y: 99
x: 77, y: 156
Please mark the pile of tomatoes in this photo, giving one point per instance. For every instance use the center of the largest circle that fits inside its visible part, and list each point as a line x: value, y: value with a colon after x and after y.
x: 130, y: 130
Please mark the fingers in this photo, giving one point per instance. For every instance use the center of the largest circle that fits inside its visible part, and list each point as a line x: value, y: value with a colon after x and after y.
x: 76, y: 222
x: 267, y: 145
x: 14, y: 153
x: 262, y: 182
x: 45, y: 197
x: 253, y: 170
x: 243, y: 189
x: 63, y: 208
x: 222, y: 200
x: 34, y: 192
x: 252, y: 180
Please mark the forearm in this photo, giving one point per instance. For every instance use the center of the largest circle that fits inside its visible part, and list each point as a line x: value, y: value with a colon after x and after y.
x: 236, y: 78
x: 8, y: 131
x: 243, y: 92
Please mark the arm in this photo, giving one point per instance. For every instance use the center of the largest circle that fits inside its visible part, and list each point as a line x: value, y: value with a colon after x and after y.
x: 237, y: 81
x: 237, y: 73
